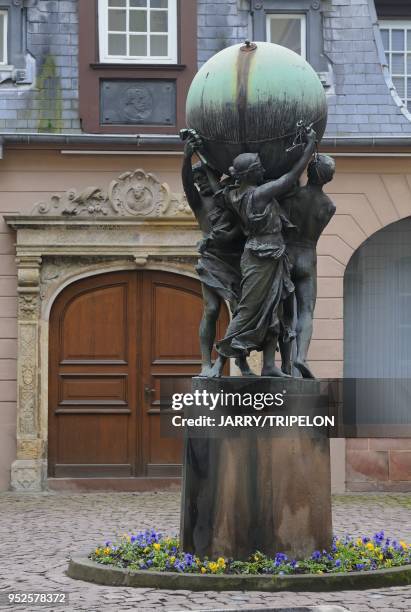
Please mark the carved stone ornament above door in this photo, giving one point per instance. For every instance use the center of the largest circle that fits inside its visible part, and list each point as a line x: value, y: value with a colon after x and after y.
x: 132, y: 194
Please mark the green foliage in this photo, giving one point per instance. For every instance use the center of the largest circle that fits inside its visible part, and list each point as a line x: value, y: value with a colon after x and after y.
x: 150, y: 550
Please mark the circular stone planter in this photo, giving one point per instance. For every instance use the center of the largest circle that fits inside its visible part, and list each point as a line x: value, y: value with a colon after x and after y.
x: 82, y: 568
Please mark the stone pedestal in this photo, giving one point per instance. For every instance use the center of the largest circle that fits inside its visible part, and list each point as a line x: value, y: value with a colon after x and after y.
x: 266, y: 490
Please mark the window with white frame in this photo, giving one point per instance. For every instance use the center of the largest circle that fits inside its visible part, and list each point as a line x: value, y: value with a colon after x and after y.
x: 140, y: 31
x: 288, y: 30
x: 396, y: 38
x: 3, y: 37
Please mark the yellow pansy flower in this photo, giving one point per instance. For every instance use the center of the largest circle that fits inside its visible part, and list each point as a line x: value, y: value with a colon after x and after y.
x: 359, y: 542
x: 156, y: 546
x: 213, y: 567
x: 107, y: 550
x: 221, y: 561
x: 370, y: 546
x: 203, y: 570
x: 403, y: 544
x: 97, y: 551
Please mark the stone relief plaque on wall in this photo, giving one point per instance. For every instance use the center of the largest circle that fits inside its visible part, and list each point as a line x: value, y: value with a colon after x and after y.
x: 138, y: 102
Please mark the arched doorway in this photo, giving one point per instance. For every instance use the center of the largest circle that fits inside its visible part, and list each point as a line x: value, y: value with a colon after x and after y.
x: 113, y: 339
x: 377, y: 328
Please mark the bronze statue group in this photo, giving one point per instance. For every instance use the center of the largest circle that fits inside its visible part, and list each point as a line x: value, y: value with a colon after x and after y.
x: 258, y: 253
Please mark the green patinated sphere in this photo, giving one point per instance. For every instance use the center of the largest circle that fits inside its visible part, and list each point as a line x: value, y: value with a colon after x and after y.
x: 249, y: 98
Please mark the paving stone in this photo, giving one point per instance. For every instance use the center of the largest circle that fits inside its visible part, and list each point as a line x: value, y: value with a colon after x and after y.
x: 38, y: 532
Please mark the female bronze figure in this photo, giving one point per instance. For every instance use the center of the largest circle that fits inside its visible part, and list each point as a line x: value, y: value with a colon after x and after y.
x: 265, y: 273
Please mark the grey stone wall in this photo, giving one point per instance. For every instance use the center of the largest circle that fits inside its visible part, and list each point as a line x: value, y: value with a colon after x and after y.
x: 50, y: 102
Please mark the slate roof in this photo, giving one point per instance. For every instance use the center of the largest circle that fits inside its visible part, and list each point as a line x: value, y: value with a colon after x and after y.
x: 362, y: 101
x: 365, y: 101
x: 361, y: 97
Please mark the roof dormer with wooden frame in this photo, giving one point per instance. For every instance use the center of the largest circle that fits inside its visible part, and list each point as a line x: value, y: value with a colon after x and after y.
x: 137, y: 59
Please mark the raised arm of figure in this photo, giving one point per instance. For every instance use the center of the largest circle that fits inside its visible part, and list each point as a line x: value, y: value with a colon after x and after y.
x: 273, y: 189
x: 190, y: 189
x: 213, y: 178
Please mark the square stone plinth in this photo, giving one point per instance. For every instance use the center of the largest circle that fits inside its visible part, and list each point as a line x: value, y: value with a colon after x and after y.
x: 268, y: 491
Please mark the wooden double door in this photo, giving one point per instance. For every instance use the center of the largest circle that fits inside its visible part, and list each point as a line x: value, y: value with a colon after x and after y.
x: 114, y: 339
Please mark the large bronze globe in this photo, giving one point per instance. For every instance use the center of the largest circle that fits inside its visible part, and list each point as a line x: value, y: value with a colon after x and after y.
x: 249, y: 98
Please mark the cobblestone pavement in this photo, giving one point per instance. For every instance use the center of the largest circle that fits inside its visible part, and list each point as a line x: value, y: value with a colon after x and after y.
x: 39, y: 532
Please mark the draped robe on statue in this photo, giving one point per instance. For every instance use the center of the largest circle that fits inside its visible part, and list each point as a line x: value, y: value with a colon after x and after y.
x: 219, y: 262
x: 265, y: 275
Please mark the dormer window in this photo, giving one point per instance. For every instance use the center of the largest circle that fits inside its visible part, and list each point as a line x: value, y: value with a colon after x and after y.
x: 3, y: 37
x: 396, y: 38
x: 296, y: 25
x: 137, y: 61
x: 288, y: 30
x: 138, y: 31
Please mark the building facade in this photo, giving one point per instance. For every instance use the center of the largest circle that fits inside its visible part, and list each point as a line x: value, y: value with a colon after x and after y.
x: 99, y: 301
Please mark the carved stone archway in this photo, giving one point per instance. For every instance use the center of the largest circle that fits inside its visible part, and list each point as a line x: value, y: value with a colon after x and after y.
x: 138, y: 222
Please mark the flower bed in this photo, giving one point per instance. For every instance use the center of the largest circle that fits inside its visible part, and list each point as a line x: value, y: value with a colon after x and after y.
x: 151, y: 551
